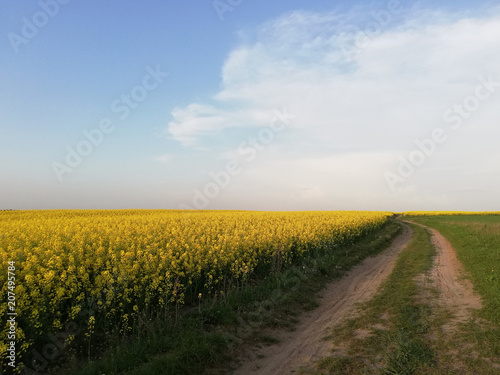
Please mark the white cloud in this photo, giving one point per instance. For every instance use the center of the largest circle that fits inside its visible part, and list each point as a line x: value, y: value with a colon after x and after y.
x: 356, y: 108
x: 198, y: 119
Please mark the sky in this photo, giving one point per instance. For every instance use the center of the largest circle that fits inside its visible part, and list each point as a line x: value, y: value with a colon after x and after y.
x: 254, y: 105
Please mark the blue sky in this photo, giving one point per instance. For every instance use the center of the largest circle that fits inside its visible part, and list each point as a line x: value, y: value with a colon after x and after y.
x: 283, y: 105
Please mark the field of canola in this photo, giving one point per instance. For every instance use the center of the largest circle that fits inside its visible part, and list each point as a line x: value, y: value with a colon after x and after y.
x: 112, y: 265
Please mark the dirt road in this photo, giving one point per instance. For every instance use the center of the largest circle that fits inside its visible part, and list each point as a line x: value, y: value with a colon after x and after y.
x: 305, y: 345
x: 456, y: 293
x: 338, y: 302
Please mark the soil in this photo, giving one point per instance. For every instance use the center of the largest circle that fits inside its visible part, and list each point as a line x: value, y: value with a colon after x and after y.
x: 456, y: 293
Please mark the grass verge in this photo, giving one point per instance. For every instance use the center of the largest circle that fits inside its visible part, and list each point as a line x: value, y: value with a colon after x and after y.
x: 204, y: 338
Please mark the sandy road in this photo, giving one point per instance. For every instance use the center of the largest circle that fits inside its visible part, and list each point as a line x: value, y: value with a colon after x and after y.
x: 338, y: 302
x: 456, y: 293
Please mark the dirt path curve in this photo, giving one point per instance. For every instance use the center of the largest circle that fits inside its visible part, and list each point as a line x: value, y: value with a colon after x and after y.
x: 338, y: 302
x: 456, y: 293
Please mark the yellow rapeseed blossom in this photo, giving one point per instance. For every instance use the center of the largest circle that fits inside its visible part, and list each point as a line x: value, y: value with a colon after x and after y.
x: 87, y: 265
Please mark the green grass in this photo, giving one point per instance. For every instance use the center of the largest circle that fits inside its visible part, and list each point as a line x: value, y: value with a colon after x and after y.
x: 204, y: 338
x: 395, y: 320
x: 476, y: 239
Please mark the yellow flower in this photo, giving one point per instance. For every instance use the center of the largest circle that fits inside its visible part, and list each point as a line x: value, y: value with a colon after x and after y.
x: 117, y: 262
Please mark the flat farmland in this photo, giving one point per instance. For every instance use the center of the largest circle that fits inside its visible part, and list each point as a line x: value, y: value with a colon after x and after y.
x: 93, y: 277
x: 247, y: 292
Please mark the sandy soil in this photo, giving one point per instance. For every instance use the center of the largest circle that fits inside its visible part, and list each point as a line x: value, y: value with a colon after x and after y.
x: 339, y: 299
x: 456, y: 293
